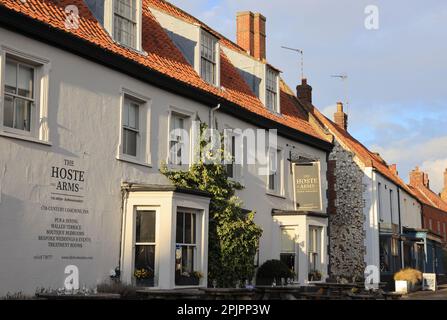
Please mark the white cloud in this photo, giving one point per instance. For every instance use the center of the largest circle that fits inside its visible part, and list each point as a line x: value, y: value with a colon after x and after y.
x: 430, y: 155
x: 435, y: 170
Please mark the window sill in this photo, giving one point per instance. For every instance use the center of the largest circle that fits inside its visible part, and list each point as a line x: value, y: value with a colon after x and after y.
x: 124, y: 158
x: 24, y: 138
x: 276, y: 195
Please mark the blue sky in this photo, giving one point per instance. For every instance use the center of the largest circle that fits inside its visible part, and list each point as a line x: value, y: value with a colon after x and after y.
x: 397, y: 84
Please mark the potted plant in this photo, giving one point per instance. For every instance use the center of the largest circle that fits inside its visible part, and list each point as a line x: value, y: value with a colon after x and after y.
x: 315, y: 275
x: 272, y: 271
x: 407, y: 280
x: 144, y: 277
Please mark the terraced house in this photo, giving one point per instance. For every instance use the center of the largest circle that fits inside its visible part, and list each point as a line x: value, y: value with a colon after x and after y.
x: 375, y: 218
x: 92, y: 95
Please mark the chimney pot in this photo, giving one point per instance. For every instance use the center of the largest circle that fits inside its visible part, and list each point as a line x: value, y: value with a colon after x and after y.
x: 340, y: 117
x: 304, y: 91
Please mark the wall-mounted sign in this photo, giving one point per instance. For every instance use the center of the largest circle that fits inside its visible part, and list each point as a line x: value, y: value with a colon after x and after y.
x: 307, y: 186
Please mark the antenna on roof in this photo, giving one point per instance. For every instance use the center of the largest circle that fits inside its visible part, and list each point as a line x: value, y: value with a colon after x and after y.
x: 301, y: 52
x: 344, y: 79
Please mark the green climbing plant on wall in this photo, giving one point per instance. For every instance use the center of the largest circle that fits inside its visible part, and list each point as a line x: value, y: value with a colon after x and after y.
x: 233, y: 234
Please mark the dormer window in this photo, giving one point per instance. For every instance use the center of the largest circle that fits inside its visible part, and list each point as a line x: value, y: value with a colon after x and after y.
x: 271, y: 94
x: 125, y: 22
x: 121, y: 19
x: 209, y: 58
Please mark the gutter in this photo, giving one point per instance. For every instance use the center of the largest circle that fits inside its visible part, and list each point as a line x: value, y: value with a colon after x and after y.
x: 37, y: 30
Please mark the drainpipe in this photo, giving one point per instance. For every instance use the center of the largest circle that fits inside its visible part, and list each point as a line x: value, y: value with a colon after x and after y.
x: 400, y: 229
x: 124, y: 195
x: 212, y: 111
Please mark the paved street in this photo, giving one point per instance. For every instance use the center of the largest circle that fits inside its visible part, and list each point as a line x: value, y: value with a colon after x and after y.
x: 441, y: 294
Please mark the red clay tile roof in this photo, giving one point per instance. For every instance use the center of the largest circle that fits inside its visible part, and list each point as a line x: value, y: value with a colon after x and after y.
x: 164, y: 57
x: 429, y: 197
x: 368, y: 158
x: 175, y: 11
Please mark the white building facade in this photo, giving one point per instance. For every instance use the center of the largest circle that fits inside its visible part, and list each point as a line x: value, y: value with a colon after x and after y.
x: 82, y: 142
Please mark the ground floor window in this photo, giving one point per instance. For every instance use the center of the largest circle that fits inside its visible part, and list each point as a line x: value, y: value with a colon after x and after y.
x: 389, y: 254
x: 314, y: 253
x: 288, y: 249
x: 144, y: 267
x: 186, y: 248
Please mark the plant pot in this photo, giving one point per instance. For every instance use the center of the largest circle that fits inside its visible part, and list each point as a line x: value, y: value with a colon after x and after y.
x: 186, y: 281
x: 144, y: 282
x: 402, y: 286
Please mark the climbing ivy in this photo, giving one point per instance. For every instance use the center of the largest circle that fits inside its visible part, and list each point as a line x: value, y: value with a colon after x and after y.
x: 233, y: 235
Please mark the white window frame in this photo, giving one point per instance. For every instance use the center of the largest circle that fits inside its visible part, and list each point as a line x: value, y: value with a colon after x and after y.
x: 187, y: 125
x: 318, y: 246
x: 238, y: 170
x: 277, y: 107
x: 143, y: 157
x: 198, y: 60
x: 197, y: 233
x: 279, y: 182
x: 155, y: 244
x: 157, y: 239
x: 295, y: 246
x: 109, y: 15
x: 39, y: 127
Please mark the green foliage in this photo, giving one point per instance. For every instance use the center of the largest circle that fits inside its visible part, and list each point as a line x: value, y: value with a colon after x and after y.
x: 272, y: 269
x: 233, y: 235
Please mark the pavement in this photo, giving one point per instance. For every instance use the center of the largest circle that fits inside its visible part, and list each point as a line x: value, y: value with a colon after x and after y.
x: 441, y: 294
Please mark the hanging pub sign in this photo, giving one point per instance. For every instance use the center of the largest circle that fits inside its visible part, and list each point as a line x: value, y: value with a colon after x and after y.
x: 307, y: 186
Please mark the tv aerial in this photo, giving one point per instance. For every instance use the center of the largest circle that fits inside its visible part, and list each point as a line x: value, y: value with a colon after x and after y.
x: 301, y: 53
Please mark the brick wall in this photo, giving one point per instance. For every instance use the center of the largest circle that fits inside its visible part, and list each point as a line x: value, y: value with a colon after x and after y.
x: 431, y: 217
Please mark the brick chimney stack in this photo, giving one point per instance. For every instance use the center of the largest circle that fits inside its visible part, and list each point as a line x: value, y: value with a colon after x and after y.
x: 393, y: 168
x: 419, y: 178
x: 251, y: 33
x: 340, y: 117
x: 304, y: 91
x: 444, y: 191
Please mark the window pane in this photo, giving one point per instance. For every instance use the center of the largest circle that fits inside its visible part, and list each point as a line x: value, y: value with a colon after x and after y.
x: 287, y: 241
x: 145, y: 257
x: 133, y: 115
x: 11, y: 76
x: 126, y: 113
x: 145, y: 226
x: 289, y: 260
x: 22, y: 114
x: 126, y: 8
x: 179, y: 230
x: 26, y: 81
x: 188, y: 259
x: 188, y: 228
x: 124, y: 31
x: 130, y: 142
x: 8, y: 112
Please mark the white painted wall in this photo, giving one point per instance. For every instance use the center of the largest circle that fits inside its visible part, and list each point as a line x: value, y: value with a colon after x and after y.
x: 411, y: 211
x: 84, y: 127
x: 380, y: 189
